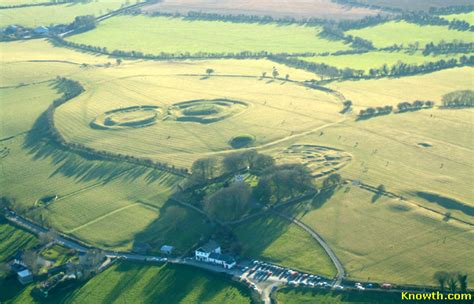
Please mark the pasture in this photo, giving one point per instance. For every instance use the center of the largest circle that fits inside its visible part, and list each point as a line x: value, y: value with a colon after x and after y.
x: 13, y: 239
x: 391, y: 91
x: 262, y: 110
x: 272, y: 238
x: 468, y: 17
x: 56, y: 14
x: 299, y: 9
x: 389, y: 240
x: 153, y: 35
x: 401, y: 32
x: 143, y: 284
x: 370, y: 60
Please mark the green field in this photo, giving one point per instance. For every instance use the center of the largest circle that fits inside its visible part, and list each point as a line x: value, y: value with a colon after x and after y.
x: 153, y: 35
x: 401, y: 32
x: 176, y: 112
x: 13, y: 239
x: 370, y: 60
x: 468, y: 17
x: 391, y: 91
x: 389, y: 240
x: 308, y: 296
x: 56, y: 14
x: 274, y: 239
x: 144, y: 284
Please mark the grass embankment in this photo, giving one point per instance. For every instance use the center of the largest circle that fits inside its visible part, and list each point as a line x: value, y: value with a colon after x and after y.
x: 153, y: 35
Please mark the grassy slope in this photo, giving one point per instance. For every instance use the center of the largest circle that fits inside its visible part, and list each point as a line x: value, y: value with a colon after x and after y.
x: 147, y: 284
x: 55, y: 14
x: 468, y: 17
x: 370, y: 60
x: 402, y: 32
x: 390, y: 240
x: 274, y: 239
x: 13, y: 239
x: 175, y: 35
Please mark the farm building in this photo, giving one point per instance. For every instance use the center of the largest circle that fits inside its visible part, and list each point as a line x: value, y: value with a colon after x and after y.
x: 166, y: 249
x: 25, y: 276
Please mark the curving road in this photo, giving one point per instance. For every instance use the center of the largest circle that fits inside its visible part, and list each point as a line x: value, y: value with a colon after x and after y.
x: 341, y: 273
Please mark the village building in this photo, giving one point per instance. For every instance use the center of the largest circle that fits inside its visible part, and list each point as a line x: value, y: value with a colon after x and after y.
x: 211, y: 253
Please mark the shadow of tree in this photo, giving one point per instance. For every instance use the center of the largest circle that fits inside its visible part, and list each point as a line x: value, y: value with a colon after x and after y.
x: 177, y: 226
x: 80, y: 166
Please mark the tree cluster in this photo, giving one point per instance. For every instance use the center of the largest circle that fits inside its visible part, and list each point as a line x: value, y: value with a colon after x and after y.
x: 229, y: 203
x: 459, y: 99
x: 283, y: 181
x: 82, y: 23
x: 451, y: 281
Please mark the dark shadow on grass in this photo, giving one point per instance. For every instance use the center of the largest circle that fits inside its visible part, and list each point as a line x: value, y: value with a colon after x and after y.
x: 322, y: 197
x: 178, y: 226
x: 83, y: 167
x: 446, y: 202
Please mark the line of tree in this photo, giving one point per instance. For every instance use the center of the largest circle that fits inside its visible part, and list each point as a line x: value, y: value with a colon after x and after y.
x: 70, y: 89
x: 459, y: 99
x: 423, y: 18
x: 242, y: 18
x: 396, y: 70
x: 414, y: 106
x: 449, y: 10
x: 168, y: 56
x: 372, y: 112
x: 448, y: 48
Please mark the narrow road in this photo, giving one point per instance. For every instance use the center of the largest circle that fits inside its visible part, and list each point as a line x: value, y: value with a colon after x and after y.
x: 341, y: 273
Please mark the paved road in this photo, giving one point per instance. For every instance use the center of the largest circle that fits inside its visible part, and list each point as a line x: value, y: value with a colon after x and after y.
x: 341, y: 273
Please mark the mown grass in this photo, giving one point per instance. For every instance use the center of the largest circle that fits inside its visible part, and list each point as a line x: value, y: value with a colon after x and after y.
x: 56, y: 14
x: 274, y: 239
x: 135, y: 283
x: 13, y: 239
x: 401, y: 32
x: 389, y: 240
x: 177, y: 35
x: 375, y: 60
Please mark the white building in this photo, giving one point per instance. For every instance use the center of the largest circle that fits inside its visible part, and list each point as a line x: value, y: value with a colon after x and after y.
x: 211, y: 253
